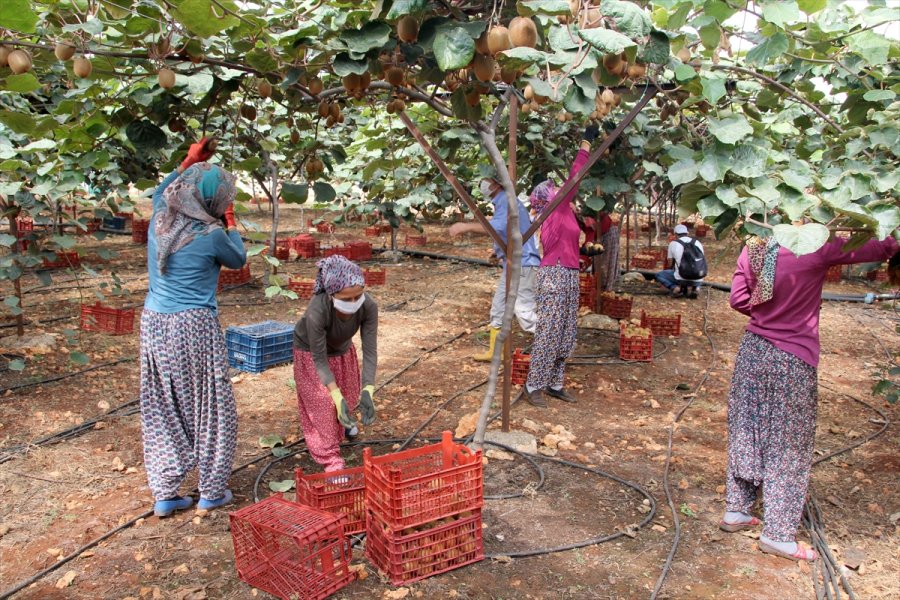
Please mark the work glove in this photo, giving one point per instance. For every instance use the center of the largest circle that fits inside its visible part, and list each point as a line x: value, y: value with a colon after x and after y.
x: 590, y: 133
x: 228, y: 217
x: 200, y: 152
x: 366, y: 405
x: 340, y: 405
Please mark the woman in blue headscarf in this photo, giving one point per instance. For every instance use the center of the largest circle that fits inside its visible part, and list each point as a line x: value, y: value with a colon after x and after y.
x: 188, y: 414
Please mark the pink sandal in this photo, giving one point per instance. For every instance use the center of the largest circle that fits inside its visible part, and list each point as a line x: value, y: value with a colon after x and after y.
x: 735, y: 527
x: 802, y: 553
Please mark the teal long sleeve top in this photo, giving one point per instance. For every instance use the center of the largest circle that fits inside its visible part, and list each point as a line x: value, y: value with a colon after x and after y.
x: 192, y: 273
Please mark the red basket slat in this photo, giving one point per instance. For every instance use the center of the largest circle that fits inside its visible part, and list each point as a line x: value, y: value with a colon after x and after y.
x: 360, y: 250
x: 661, y: 326
x: 635, y: 348
x: 416, y: 486
x: 24, y: 225
x: 325, y: 227
x: 306, y: 246
x: 291, y: 551
x: 615, y: 306
x: 63, y: 260
x: 520, y: 365
x: 338, y: 251
x: 587, y: 291
x: 386, y: 228
x: 415, y: 240
x: 642, y: 261
x: 834, y: 273
x: 117, y: 321
x: 229, y: 277
x: 373, y: 231
x: 413, y: 555
x: 375, y: 276
x: 339, y: 492
x: 139, y: 229
x: 302, y: 286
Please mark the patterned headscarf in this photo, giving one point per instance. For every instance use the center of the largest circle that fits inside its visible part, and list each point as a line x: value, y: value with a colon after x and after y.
x: 193, y: 205
x: 336, y: 273
x: 763, y: 256
x: 541, y: 195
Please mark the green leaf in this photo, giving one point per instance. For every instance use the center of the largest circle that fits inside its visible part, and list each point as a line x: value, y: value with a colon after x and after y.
x: 683, y: 171
x: 204, y: 19
x: 730, y: 129
x: 18, y: 122
x: 323, y: 192
x: 64, y: 241
x: 606, y: 40
x: 529, y: 8
x: 795, y: 204
x: 576, y: 101
x: 18, y: 16
x: 630, y: 19
x: 749, y: 161
x: 261, y: 60
x: 281, y: 486
x: 373, y: 34
x: 343, y: 65
x: 780, y: 12
x: 7, y: 240
x: 400, y: 8
x: 281, y: 451
x: 453, y: 48
x: 270, y: 440
x: 79, y: 358
x: 248, y: 164
x: 888, y: 217
x: 714, y: 166
x: 718, y: 10
x: 520, y: 58
x: 801, y: 240
x: 872, y: 46
x: 711, y: 207
x: 295, y: 193
x: 765, y: 52
x: 145, y: 135
x: 272, y: 290
x: 711, y: 35
x: 713, y: 88
x: 685, y: 72
x: 877, y: 95
x: 657, y: 49
x: 16, y: 365
x: 23, y: 83
x: 811, y: 6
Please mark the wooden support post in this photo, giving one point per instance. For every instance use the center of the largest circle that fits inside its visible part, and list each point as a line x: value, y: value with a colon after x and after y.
x: 507, y: 344
x: 451, y: 179
x: 573, y: 182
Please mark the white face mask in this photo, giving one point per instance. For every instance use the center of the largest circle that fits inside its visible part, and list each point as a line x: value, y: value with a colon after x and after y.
x: 349, y: 307
x: 485, y: 188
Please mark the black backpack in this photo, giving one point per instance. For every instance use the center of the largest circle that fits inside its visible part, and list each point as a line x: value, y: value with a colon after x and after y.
x: 693, y: 262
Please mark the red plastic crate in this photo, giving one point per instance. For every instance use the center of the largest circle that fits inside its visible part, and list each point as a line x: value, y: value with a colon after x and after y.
x: 412, y: 555
x: 614, y: 306
x: 291, y: 551
x: 834, y: 273
x: 635, y: 348
x: 587, y: 291
x: 230, y: 277
x: 344, y: 251
x: 24, y: 226
x: 325, y: 227
x: 415, y: 240
x: 126, y: 216
x: 643, y: 261
x: 302, y: 286
x: 417, y: 486
x: 360, y: 250
x: 339, y: 492
x: 520, y: 365
x: 306, y: 246
x: 375, y: 276
x: 63, y: 260
x: 91, y: 227
x: 660, y: 254
x: 701, y: 231
x: 373, y: 231
x: 117, y: 321
x: 282, y: 250
x: 139, y: 228
x: 877, y: 275
x: 386, y: 228
x: 660, y: 325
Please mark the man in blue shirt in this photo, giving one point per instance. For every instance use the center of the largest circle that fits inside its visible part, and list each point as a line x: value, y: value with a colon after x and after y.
x: 531, y: 259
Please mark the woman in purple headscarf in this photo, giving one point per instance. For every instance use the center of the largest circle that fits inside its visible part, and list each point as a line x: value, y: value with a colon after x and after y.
x: 326, y: 371
x: 556, y: 292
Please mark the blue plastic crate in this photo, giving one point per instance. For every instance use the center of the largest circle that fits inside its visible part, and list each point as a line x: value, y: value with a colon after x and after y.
x: 255, y: 348
x: 114, y: 223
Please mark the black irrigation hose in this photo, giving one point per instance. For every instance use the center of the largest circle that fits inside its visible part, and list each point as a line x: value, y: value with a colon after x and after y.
x: 463, y: 259
x: 677, y: 540
x: 27, y: 384
x: 437, y: 410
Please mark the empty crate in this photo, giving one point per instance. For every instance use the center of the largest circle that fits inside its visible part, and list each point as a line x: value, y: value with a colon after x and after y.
x: 117, y: 321
x: 255, y: 348
x: 291, y: 551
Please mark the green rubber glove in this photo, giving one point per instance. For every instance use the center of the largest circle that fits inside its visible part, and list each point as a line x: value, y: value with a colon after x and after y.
x: 367, y: 405
x: 340, y: 405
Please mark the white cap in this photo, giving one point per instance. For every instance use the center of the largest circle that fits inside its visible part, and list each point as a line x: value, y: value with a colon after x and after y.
x: 681, y: 229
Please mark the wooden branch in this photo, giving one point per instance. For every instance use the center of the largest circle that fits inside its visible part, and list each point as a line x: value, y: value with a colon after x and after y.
x: 575, y: 180
x: 451, y: 179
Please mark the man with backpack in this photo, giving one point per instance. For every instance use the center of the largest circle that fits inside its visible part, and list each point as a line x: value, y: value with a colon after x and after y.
x: 688, y: 265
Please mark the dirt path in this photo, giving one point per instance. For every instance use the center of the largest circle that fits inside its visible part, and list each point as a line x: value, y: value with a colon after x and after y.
x: 58, y: 497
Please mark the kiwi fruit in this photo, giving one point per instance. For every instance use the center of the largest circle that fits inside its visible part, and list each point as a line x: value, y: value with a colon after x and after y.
x: 592, y: 19
x: 483, y: 67
x: 295, y: 136
x: 4, y: 55
x: 399, y: 105
x: 329, y: 122
x: 177, y: 125
x: 334, y: 111
x: 248, y: 112
x: 391, y: 108
x: 608, y: 96
x: 166, y: 78
x: 529, y: 92
x: 394, y: 76
x: 324, y: 109
x: 481, y: 44
x: 19, y: 61
x: 82, y: 67
x: 526, y: 108
x: 264, y: 88
x: 508, y: 76
x: 351, y: 82
x: 365, y: 80
x: 498, y: 39
x: 636, y: 71
x: 408, y: 29
x: 684, y: 55
x: 196, y: 58
x: 473, y: 98
x: 541, y: 100
x: 64, y: 52
x: 161, y: 48
x: 523, y: 33
x: 315, y: 86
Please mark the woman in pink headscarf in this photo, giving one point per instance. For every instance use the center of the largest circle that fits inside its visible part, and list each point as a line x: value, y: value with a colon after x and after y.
x: 326, y: 371
x: 556, y: 288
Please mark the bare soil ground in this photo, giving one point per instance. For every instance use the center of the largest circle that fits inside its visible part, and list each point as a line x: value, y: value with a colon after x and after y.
x: 58, y: 497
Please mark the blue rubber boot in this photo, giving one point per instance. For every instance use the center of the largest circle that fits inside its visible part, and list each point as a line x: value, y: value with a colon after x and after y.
x: 166, y: 508
x: 205, y: 504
